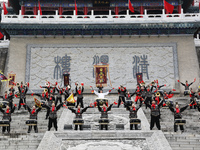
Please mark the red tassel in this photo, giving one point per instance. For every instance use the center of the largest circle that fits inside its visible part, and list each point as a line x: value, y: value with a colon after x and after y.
x: 16, y: 95
x: 15, y: 105
x: 32, y: 94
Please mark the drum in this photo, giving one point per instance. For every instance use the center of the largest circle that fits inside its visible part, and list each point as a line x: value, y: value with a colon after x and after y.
x: 104, y: 121
x: 78, y: 121
x: 3, y: 104
x: 187, y: 92
x: 161, y: 92
x: 179, y: 122
x: 4, y: 123
x: 198, y: 102
x: 129, y: 102
x: 31, y: 122
x: 101, y: 101
x: 135, y: 121
x: 169, y: 102
x: 70, y: 104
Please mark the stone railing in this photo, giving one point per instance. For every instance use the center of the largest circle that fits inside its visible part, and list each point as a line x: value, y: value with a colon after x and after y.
x: 197, y: 40
x: 4, y: 43
x: 92, y: 19
x: 6, y: 3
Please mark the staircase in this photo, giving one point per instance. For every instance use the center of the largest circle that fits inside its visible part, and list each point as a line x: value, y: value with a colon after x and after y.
x: 190, y: 138
x: 18, y: 138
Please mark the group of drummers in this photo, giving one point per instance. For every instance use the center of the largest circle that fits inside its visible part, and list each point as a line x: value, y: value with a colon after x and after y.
x: 152, y: 96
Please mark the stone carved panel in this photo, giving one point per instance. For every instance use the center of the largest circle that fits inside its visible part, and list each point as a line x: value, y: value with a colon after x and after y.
x: 157, y: 61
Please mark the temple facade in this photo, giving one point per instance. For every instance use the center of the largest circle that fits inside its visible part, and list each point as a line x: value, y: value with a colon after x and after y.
x: 151, y: 41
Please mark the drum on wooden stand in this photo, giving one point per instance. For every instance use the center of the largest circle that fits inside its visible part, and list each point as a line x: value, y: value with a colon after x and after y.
x: 135, y: 121
x: 179, y: 122
x: 78, y: 121
x: 3, y: 104
x: 161, y: 92
x: 4, y: 123
x: 104, y: 121
x: 187, y: 92
x: 101, y: 101
x: 70, y: 104
x: 31, y: 122
x: 129, y: 102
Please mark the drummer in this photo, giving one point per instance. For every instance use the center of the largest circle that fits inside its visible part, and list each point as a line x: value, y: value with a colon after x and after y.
x: 53, y: 115
x: 155, y: 114
x: 177, y: 115
x: 186, y: 85
x: 7, y: 98
x: 78, y: 114
x: 22, y: 90
x: 167, y: 96
x: 133, y: 114
x: 128, y: 99
x: 193, y: 103
x: 7, y: 116
x: 33, y: 115
x: 100, y: 87
x: 122, y: 93
x: 104, y: 114
x: 101, y: 95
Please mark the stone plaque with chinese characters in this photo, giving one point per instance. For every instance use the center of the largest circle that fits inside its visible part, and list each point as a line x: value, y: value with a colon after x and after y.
x: 153, y: 61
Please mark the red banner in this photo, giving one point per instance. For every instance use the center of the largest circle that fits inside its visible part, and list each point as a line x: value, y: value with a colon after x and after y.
x: 101, y: 74
x: 139, y: 78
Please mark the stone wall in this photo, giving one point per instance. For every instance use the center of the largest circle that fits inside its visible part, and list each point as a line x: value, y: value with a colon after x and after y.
x: 3, y: 57
x: 160, y: 51
x: 47, y: 62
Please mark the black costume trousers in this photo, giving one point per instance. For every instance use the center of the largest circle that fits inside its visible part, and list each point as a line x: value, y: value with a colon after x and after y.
x: 54, y: 122
x: 58, y: 99
x: 22, y: 101
x: 176, y: 128
x: 80, y: 127
x: 104, y: 126
x: 131, y: 126
x: 35, y: 128
x: 155, y: 120
x: 148, y: 101
x: 121, y: 98
x: 80, y: 100
x: 6, y: 128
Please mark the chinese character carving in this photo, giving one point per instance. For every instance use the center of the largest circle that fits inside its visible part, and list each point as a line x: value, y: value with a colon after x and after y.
x: 140, y: 65
x: 65, y: 64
